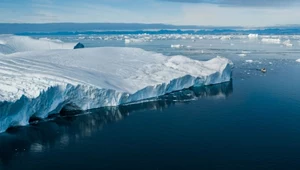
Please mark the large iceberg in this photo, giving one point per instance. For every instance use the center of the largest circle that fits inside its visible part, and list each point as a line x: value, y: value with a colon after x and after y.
x: 36, y: 84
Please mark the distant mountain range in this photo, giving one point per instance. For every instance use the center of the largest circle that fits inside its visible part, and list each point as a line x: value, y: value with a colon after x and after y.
x: 21, y: 28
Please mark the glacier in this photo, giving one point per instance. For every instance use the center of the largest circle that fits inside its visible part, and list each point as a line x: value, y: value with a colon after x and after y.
x: 39, y: 83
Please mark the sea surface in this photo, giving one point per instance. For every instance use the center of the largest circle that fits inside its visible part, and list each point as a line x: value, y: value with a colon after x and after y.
x: 251, y: 122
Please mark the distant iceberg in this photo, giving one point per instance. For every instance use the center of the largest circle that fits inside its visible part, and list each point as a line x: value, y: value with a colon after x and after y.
x: 177, y: 46
x: 128, y: 41
x: 253, y: 36
x: 36, y: 84
x: 288, y: 43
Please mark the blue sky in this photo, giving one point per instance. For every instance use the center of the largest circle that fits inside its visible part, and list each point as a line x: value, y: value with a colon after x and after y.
x: 179, y: 12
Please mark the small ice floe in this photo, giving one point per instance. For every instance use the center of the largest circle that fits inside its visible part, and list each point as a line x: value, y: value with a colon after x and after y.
x: 253, y: 36
x: 264, y: 70
x: 287, y: 43
x: 271, y: 40
x: 177, y: 46
x: 227, y: 37
x: 249, y: 61
x: 242, y: 55
x: 298, y: 60
x: 128, y: 41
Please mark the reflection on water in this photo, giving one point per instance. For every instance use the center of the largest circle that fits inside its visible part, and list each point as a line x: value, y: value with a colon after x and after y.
x: 69, y: 128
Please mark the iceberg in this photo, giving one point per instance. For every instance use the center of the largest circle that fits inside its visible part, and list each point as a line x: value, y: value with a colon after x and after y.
x: 288, y: 43
x: 128, y: 41
x: 36, y: 84
x: 177, y: 46
x: 92, y: 121
x: 225, y: 37
x: 253, y: 36
x: 11, y: 44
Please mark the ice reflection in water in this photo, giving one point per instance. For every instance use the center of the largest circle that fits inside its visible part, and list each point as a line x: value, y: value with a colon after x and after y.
x: 70, y: 127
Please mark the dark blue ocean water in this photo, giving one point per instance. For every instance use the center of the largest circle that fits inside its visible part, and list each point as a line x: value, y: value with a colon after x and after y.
x: 249, y: 123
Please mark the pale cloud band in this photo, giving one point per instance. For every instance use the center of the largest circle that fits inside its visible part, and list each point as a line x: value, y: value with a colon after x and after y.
x: 178, y: 12
x: 242, y: 3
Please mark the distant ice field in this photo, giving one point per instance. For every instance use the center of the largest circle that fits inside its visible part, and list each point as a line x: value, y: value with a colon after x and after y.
x: 198, y: 46
x: 270, y: 51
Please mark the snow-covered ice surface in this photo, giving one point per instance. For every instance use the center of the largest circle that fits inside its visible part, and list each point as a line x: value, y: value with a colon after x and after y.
x: 11, y: 44
x: 42, y: 82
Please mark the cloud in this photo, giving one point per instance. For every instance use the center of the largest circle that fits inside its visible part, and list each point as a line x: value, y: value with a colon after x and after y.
x: 214, y: 15
x: 243, y: 3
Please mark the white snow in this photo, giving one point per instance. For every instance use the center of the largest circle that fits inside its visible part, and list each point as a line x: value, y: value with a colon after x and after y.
x: 271, y: 40
x: 2, y: 42
x: 39, y: 83
x: 11, y: 44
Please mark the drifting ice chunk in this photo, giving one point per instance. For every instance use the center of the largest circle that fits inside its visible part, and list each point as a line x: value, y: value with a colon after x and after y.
x: 177, y: 46
x: 40, y: 83
x: 242, y: 55
x: 298, y: 60
x: 226, y: 37
x: 271, y: 41
x: 253, y: 36
x: 249, y: 61
x: 287, y: 43
x: 127, y: 41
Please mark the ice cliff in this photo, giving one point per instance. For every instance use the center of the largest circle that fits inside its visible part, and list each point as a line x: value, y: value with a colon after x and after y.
x: 42, y: 82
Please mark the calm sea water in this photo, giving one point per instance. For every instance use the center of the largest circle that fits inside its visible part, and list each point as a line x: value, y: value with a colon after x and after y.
x: 249, y: 123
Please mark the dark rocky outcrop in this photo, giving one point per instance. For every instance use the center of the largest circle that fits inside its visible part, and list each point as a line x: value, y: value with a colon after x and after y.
x: 78, y: 45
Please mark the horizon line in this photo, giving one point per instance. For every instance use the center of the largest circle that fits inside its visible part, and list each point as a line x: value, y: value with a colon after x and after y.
x: 145, y: 24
